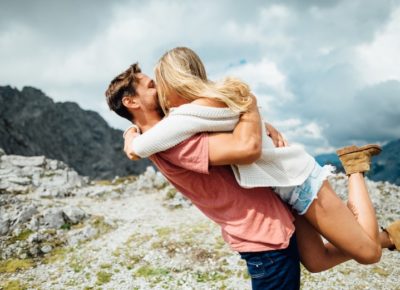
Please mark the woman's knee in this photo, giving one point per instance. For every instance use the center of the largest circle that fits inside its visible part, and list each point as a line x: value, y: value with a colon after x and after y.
x: 314, y: 267
x: 370, y: 255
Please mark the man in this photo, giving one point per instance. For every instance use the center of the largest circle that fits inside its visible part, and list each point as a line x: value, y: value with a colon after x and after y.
x: 254, y: 222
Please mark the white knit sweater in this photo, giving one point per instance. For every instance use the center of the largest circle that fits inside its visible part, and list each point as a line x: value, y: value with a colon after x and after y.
x: 277, y: 167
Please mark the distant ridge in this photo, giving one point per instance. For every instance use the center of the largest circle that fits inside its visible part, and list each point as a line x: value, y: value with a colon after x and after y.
x: 385, y: 166
x: 32, y: 124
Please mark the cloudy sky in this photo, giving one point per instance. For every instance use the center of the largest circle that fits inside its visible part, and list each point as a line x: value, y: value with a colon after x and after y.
x: 326, y: 72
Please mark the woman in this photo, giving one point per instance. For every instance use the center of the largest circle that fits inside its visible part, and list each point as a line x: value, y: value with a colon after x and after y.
x: 202, y: 105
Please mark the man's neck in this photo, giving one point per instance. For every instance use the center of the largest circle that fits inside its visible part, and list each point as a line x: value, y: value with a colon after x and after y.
x: 146, y: 120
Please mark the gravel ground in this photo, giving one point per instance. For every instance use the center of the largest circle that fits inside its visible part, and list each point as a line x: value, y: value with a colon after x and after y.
x: 152, y: 246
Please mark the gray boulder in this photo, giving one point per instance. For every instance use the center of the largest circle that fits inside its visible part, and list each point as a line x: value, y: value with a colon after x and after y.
x: 23, y: 161
x: 53, y: 218
x: 26, y: 214
x: 74, y: 214
x: 4, y: 226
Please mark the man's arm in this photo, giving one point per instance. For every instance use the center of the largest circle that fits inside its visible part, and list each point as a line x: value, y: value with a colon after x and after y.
x: 243, y: 145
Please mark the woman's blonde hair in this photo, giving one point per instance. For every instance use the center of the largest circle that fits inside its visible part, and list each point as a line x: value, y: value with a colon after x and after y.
x: 182, y: 71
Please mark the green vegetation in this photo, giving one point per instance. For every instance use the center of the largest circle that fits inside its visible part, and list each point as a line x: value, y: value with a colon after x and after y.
x: 13, y: 285
x: 204, y: 277
x: 13, y: 265
x: 171, y: 193
x: 164, y: 232
x: 105, y: 266
x: 66, y: 226
x: 380, y: 271
x: 133, y: 260
x: 56, y: 255
x: 104, y: 182
x: 125, y: 179
x: 77, y: 266
x: 99, y: 223
x: 103, y: 277
x: 23, y: 235
x: 147, y: 271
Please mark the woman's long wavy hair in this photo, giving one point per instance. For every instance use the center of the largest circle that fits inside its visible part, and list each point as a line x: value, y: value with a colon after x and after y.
x: 182, y: 71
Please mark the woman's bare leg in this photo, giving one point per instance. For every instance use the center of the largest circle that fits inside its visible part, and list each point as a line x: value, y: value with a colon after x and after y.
x: 315, y: 255
x: 333, y: 220
x: 359, y: 202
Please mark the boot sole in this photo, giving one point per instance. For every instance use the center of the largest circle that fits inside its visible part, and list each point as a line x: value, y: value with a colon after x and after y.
x: 353, y: 148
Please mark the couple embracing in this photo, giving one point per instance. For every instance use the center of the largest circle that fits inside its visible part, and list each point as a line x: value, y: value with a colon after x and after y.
x: 272, y: 201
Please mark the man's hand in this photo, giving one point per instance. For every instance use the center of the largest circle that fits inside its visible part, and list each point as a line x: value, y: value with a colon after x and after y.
x: 276, y: 136
x: 129, y: 135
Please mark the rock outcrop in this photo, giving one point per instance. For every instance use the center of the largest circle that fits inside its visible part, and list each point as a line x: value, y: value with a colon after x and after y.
x: 32, y: 124
x: 35, y: 217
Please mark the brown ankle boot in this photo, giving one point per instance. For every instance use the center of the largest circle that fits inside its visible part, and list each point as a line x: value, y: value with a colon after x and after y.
x: 357, y: 159
x: 393, y: 231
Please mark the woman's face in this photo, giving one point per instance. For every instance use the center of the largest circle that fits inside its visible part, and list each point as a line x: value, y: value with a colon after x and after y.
x: 174, y: 100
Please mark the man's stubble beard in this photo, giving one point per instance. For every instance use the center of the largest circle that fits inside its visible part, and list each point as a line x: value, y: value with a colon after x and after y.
x: 158, y: 108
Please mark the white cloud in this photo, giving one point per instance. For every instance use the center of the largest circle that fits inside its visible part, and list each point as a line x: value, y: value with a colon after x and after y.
x: 307, y: 61
x: 379, y: 60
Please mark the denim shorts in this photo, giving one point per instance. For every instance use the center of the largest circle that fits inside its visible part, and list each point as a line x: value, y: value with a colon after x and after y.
x: 275, y: 270
x: 300, y: 197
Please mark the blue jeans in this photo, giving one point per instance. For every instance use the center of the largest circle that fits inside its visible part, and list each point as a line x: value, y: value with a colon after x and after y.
x: 279, y: 269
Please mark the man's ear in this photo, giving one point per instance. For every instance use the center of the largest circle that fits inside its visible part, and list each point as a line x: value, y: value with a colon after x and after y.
x: 130, y: 102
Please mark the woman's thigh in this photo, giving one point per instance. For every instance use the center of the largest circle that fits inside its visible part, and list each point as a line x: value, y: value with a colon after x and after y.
x: 334, y: 221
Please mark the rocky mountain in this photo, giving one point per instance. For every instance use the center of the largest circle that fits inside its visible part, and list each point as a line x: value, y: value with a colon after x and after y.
x: 385, y: 166
x: 33, y: 124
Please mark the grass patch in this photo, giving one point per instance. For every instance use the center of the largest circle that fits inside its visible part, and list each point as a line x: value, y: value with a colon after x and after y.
x: 103, y: 182
x: 124, y: 180
x: 76, y: 266
x: 133, y: 260
x: 66, y: 226
x: 13, y: 285
x: 56, y: 255
x: 103, y: 277
x: 148, y: 271
x: 99, y: 223
x: 171, y: 193
x: 23, y: 235
x: 204, y: 277
x: 138, y: 239
x: 380, y: 271
x: 164, y: 232
x: 13, y: 265
x: 105, y: 266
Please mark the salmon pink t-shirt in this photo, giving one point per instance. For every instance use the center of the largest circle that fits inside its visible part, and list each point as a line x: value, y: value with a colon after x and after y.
x: 251, y: 220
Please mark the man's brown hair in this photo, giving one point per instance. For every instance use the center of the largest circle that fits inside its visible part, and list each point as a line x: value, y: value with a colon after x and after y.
x: 121, y: 86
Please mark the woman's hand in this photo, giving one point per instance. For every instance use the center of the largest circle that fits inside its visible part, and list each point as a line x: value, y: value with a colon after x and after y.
x: 276, y: 136
x: 129, y: 135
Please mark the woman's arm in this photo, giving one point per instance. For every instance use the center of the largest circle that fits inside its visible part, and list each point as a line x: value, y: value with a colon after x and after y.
x: 129, y: 135
x: 178, y: 127
x: 243, y: 145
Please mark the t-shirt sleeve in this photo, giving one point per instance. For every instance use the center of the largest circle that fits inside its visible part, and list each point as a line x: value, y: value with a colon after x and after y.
x: 191, y: 154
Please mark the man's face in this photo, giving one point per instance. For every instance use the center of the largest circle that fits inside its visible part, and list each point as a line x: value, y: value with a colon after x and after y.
x: 146, y: 92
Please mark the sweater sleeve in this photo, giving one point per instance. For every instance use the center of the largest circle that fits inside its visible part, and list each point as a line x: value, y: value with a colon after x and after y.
x: 176, y: 128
